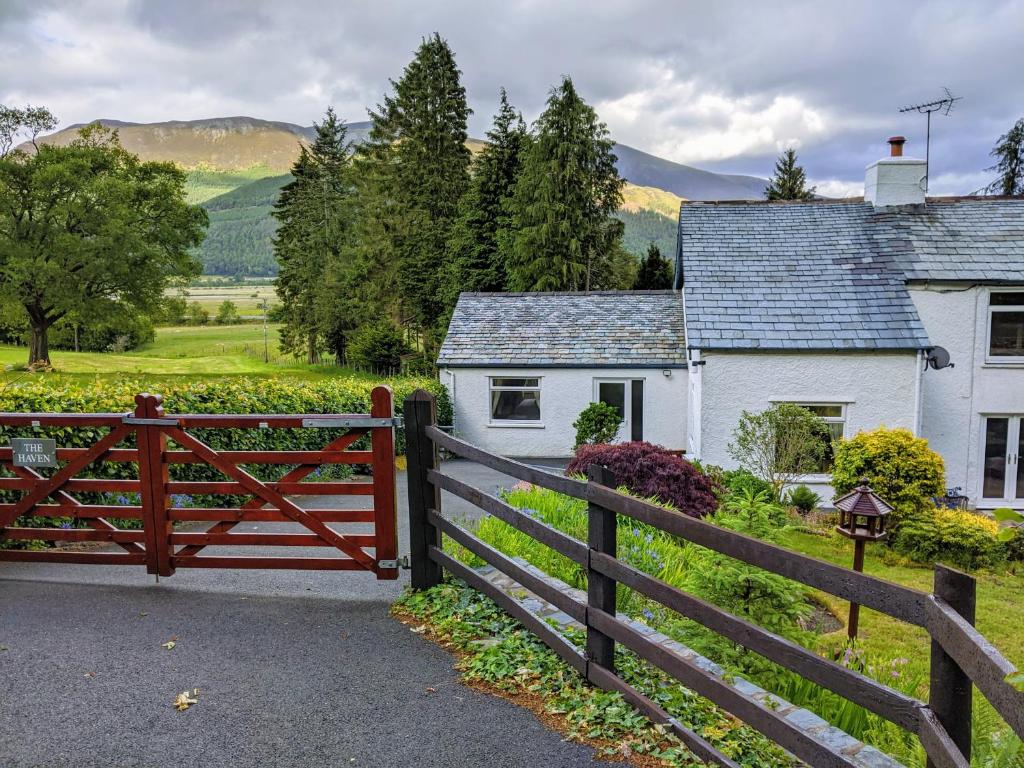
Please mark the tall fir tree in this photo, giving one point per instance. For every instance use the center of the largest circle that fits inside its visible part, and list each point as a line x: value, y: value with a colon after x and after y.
x: 475, y: 260
x: 562, y: 233
x: 314, y: 214
x: 417, y: 168
x: 655, y: 272
x: 1009, y: 154
x: 789, y: 181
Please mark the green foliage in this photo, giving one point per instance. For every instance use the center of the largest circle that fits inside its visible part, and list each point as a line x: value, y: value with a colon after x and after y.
x: 564, y: 235
x: 378, y: 348
x: 899, y: 467
x: 117, y: 330
x: 1009, y: 154
x: 500, y: 653
x: 198, y: 314
x: 780, y: 444
x: 964, y: 539
x: 597, y: 423
x: 314, y: 213
x: 789, y: 181
x: 803, y: 498
x: 655, y: 271
x: 475, y: 262
x: 643, y: 227
x: 227, y: 313
x: 171, y: 311
x: 88, y: 227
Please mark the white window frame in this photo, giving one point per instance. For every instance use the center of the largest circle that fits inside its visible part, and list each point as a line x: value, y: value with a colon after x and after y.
x: 841, y: 419
x: 491, y: 388
x: 626, y: 425
x: 991, y: 359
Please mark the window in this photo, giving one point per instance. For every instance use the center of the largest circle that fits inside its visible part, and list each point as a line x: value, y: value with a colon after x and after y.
x: 834, y: 416
x: 1006, y: 325
x: 626, y: 396
x: 515, y: 399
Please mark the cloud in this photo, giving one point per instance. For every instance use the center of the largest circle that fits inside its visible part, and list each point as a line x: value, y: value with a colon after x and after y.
x: 724, y: 85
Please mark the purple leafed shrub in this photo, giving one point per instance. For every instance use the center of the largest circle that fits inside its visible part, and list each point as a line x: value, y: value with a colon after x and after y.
x: 650, y: 470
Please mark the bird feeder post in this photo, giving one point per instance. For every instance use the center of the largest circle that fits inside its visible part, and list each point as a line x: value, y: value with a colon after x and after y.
x: 862, y: 516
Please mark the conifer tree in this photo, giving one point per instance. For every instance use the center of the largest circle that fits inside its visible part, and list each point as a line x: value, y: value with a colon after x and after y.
x: 476, y: 263
x: 789, y: 181
x: 1009, y: 154
x: 417, y: 168
x: 314, y: 213
x: 563, y: 235
x: 655, y: 271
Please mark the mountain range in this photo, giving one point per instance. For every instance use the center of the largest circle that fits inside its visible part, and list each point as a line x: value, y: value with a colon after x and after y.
x: 237, y: 165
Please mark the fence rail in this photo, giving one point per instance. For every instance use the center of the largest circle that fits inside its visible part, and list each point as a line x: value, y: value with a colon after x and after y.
x: 961, y: 656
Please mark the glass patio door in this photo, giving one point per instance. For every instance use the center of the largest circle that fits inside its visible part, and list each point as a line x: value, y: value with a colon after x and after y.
x: 627, y: 397
x: 1002, y: 476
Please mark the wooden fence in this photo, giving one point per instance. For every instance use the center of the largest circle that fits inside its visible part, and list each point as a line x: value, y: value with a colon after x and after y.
x: 961, y: 658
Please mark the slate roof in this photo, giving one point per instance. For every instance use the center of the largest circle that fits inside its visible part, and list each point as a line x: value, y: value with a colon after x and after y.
x: 831, y: 274
x: 600, y: 329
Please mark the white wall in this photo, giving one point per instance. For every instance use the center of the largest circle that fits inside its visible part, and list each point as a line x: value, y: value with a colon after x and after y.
x: 564, y: 393
x: 955, y: 399
x: 877, y: 389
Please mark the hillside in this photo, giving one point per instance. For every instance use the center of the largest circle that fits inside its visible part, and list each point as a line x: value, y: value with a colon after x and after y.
x: 237, y: 165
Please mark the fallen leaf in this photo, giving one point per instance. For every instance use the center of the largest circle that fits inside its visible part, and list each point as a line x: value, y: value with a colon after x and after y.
x: 169, y: 645
x: 431, y: 690
x: 90, y: 674
x: 183, y: 700
x: 419, y: 630
x: 143, y: 613
x: 3, y: 648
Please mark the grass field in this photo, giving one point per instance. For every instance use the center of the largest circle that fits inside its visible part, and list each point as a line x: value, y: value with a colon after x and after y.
x: 247, y: 298
x: 184, y: 350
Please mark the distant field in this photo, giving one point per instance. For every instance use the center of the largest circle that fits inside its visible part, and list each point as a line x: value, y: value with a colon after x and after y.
x: 247, y: 298
x: 186, y: 350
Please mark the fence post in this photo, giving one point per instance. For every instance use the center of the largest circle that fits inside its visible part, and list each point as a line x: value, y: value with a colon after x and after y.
x: 153, y: 478
x: 601, y: 537
x: 949, y: 695
x: 420, y: 411
x: 385, y: 509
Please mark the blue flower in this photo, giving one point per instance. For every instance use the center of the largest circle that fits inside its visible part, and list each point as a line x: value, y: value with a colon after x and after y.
x: 66, y: 524
x: 648, y: 614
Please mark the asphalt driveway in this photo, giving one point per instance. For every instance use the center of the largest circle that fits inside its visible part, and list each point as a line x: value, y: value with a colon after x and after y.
x: 293, y: 669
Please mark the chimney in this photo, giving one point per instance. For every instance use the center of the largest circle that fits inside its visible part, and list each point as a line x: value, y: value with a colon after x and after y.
x: 896, y: 180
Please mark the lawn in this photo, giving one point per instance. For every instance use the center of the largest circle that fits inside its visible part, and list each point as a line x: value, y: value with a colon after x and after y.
x: 181, y: 350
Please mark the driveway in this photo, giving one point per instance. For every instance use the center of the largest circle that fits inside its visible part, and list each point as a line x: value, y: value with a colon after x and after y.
x: 293, y: 669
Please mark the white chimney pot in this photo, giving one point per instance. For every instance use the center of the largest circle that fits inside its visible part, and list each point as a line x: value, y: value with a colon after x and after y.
x: 895, y: 181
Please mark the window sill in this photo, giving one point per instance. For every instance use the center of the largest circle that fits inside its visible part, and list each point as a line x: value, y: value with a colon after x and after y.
x: 1014, y: 362
x: 515, y: 425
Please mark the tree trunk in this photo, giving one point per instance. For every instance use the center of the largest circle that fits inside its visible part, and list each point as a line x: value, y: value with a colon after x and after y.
x: 38, y: 344
x: 312, y: 356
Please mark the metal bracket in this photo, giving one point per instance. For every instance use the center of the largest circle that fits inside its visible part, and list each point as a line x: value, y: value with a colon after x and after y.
x: 402, y: 562
x: 132, y: 420
x: 349, y: 422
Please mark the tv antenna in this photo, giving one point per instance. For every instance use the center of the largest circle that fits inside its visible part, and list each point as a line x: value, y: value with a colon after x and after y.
x: 944, y: 106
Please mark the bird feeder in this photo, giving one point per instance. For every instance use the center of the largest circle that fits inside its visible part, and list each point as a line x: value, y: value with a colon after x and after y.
x: 862, y: 516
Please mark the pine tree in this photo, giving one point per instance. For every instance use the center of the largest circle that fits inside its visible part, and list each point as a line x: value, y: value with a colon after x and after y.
x: 655, y: 271
x: 563, y: 235
x: 417, y: 169
x: 475, y: 260
x: 314, y: 214
x: 789, y: 181
x: 1009, y: 152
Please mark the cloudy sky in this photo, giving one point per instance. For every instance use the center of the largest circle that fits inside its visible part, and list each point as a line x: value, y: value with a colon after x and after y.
x: 721, y: 85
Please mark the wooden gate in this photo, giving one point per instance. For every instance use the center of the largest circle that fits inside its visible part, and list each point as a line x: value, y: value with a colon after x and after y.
x: 157, y: 500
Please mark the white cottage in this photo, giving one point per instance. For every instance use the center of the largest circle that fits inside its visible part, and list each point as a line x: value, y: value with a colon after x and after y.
x: 851, y: 308
x: 521, y: 366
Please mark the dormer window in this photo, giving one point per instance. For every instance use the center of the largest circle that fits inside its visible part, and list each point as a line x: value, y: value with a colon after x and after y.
x: 1006, y: 326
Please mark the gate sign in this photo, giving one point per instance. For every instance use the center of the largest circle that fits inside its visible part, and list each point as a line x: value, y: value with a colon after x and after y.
x: 34, y: 452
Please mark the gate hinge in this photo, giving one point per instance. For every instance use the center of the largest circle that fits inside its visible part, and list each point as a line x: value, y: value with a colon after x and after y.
x: 402, y: 562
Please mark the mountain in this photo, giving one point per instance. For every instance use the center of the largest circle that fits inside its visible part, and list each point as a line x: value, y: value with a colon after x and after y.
x: 237, y: 166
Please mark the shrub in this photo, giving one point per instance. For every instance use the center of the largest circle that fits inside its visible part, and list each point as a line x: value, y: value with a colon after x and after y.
x: 378, y: 348
x: 952, y: 536
x: 597, y: 423
x: 227, y: 314
x: 651, y: 471
x: 780, y: 444
x: 119, y: 330
x: 899, y: 467
x: 198, y: 315
x: 803, y: 498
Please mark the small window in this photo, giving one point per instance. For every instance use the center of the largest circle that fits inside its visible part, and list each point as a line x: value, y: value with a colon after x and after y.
x: 1006, y: 325
x: 515, y: 399
x: 834, y: 416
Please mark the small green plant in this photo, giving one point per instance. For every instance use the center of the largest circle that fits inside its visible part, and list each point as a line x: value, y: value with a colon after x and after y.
x: 953, y: 536
x: 597, y: 423
x: 803, y: 498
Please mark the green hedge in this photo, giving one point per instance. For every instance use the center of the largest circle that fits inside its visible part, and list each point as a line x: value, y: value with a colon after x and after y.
x: 229, y: 395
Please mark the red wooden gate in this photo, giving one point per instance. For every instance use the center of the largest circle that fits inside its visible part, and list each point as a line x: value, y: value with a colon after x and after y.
x: 154, y: 499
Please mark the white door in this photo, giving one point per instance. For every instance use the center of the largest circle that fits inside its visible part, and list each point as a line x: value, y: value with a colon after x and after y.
x: 626, y: 396
x: 1002, y: 478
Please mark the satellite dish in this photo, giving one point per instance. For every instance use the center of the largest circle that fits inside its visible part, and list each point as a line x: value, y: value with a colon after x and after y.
x: 938, y: 357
